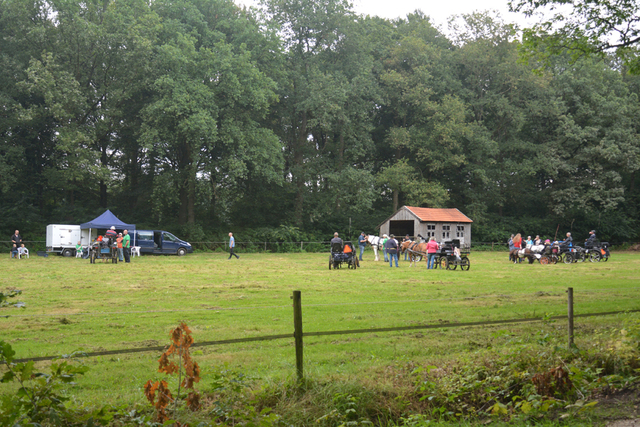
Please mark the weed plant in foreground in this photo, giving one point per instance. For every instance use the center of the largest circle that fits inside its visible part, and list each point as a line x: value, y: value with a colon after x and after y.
x: 390, y: 378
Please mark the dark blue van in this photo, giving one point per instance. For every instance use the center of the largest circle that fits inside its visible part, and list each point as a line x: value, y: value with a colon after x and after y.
x: 159, y: 242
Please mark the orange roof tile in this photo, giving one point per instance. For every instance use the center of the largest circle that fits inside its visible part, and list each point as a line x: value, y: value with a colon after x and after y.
x: 438, y: 215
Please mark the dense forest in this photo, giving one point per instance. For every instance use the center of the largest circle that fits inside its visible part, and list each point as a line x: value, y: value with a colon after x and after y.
x: 302, y: 118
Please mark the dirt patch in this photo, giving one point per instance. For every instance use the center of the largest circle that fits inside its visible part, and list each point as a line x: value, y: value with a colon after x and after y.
x: 625, y: 423
x: 620, y: 408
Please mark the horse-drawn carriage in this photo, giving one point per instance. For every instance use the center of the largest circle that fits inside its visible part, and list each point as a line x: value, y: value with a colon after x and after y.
x: 340, y: 255
x: 597, y: 251
x: 105, y: 249
x: 450, y: 256
x: 552, y: 253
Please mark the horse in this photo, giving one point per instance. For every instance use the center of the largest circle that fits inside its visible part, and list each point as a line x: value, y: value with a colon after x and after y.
x: 376, y: 244
x: 415, y: 250
x: 516, y: 254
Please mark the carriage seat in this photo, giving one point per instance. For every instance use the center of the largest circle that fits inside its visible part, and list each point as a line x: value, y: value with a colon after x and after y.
x: 336, y: 247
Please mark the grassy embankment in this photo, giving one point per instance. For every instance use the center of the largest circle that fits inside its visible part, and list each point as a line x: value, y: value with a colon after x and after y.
x: 73, y: 305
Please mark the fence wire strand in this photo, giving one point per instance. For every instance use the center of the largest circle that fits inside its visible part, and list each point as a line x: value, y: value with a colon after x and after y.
x: 271, y: 307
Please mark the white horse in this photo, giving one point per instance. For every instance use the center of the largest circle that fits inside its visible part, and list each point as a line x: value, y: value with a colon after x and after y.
x: 376, y: 244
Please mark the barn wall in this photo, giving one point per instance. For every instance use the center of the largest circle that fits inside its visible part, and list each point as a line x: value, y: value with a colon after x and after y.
x: 422, y: 228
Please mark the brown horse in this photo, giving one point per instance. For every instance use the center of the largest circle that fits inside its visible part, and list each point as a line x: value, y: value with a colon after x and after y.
x: 516, y: 254
x: 415, y: 250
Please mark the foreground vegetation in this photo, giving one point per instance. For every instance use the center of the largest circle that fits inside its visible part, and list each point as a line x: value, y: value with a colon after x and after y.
x: 515, y: 372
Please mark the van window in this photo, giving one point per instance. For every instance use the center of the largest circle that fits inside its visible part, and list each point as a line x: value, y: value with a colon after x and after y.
x: 145, y: 235
x: 169, y: 237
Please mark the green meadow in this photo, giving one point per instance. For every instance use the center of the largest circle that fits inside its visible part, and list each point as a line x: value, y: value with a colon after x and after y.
x: 72, y: 305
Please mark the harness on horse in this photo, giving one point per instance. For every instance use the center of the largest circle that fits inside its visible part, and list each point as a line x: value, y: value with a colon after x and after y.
x: 411, y: 250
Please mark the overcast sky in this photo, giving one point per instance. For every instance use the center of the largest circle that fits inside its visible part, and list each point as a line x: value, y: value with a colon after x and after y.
x: 438, y: 10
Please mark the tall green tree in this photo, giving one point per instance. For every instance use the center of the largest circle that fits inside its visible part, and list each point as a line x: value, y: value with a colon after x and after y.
x: 204, y: 119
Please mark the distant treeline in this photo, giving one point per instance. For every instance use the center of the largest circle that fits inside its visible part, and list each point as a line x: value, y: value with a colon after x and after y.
x: 200, y: 117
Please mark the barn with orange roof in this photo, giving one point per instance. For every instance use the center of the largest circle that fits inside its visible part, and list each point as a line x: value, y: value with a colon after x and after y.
x: 444, y: 224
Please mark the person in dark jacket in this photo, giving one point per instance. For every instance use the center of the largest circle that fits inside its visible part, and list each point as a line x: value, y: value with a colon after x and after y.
x: 16, y: 239
x: 568, y: 242
x: 391, y: 247
x: 336, y: 243
x: 591, y: 239
x: 362, y: 242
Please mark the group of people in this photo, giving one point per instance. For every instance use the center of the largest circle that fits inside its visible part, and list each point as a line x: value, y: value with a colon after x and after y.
x: 17, y: 246
x: 516, y: 243
x: 391, y: 248
x: 122, y: 241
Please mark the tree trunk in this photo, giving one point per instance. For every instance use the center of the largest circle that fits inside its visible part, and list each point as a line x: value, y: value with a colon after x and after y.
x: 298, y: 166
x: 395, y: 200
x: 191, y: 197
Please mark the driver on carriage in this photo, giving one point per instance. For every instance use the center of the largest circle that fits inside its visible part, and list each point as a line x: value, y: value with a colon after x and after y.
x: 566, y: 243
x: 336, y: 243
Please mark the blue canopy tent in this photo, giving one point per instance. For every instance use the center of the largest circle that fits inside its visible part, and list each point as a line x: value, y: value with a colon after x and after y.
x: 106, y: 221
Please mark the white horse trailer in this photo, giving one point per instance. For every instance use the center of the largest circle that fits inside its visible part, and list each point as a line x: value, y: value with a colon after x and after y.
x: 62, y: 238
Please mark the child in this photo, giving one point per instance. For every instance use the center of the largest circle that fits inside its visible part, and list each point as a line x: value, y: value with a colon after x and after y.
x: 79, y: 247
x: 456, y: 252
x: 22, y: 251
x: 14, y: 251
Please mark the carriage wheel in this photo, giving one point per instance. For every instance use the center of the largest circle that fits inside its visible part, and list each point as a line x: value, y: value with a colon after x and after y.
x: 581, y: 256
x: 330, y: 262
x: 465, y: 264
x: 554, y: 259
x: 544, y: 260
x: 567, y: 258
x: 444, y: 263
x: 92, y: 258
x: 357, y: 262
x: 452, y: 265
x: 594, y: 256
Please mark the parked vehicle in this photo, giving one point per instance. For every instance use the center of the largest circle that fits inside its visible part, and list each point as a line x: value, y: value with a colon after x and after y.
x: 62, y: 238
x: 159, y: 242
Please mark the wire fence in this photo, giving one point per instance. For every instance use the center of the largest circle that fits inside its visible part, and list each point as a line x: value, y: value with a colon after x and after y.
x: 297, y: 334
x: 509, y: 296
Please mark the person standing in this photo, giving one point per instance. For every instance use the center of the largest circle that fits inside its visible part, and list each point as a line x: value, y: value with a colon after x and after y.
x: 362, y: 242
x: 391, y: 249
x: 511, y: 247
x: 232, y: 245
x: 517, y: 245
x: 16, y: 239
x: 126, y: 246
x: 119, y: 240
x: 406, y: 239
x: 432, y: 249
x: 384, y: 247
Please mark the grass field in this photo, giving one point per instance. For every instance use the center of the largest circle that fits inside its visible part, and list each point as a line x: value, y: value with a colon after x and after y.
x: 73, y: 305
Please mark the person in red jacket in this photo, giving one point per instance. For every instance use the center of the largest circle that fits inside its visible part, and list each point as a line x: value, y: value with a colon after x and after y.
x: 432, y: 248
x: 517, y: 245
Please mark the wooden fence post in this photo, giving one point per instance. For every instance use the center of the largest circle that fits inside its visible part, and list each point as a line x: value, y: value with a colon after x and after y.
x: 570, y: 313
x: 297, y: 333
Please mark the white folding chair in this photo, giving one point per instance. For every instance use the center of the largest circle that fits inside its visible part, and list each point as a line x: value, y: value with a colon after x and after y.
x: 23, y: 252
x: 135, y: 250
x: 79, y: 253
